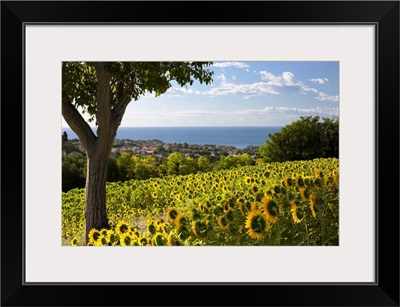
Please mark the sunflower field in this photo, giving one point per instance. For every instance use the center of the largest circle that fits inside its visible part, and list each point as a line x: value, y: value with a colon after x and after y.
x: 276, y: 204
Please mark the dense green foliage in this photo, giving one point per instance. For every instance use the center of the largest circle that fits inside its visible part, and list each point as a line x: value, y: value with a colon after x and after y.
x: 73, y: 172
x: 305, y: 139
x: 128, y: 166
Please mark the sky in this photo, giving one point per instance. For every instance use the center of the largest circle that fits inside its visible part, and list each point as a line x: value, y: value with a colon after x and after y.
x: 243, y: 94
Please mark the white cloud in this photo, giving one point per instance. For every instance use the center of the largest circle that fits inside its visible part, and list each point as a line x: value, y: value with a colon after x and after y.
x: 270, y: 84
x: 231, y: 64
x: 324, y: 97
x: 285, y: 80
x: 319, y: 80
x: 249, y: 90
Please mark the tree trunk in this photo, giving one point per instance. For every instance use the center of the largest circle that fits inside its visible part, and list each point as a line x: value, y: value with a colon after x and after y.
x: 98, y: 147
x: 96, y: 177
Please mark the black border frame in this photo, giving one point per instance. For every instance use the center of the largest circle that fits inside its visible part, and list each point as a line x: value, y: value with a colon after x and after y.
x: 383, y: 14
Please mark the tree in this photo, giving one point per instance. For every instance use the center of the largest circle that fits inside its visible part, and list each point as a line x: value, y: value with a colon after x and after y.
x: 103, y: 90
x: 73, y: 172
x: 112, y: 170
x: 305, y: 139
x: 331, y: 131
x: 125, y: 166
x: 65, y: 137
x: 204, y: 164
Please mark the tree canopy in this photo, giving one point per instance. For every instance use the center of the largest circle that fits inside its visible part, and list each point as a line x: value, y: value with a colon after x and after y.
x: 305, y: 139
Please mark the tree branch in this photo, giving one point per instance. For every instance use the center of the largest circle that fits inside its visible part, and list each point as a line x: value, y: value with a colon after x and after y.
x: 119, y: 109
x: 76, y: 122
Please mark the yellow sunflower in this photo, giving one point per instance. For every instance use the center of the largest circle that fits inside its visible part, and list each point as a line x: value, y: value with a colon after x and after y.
x: 288, y: 181
x: 74, y: 241
x: 254, y: 189
x: 305, y: 193
x: 143, y: 241
x: 126, y: 239
x: 330, y: 206
x: 295, y: 214
x: 256, y: 223
x: 200, y: 228
x: 223, y: 222
x: 151, y: 227
x: 103, y: 241
x: 94, y: 235
x: 299, y: 180
x: 313, y: 205
x: 122, y: 227
x: 270, y: 208
x: 172, y: 214
x: 181, y: 219
x: 336, y: 178
x: 112, y: 237
x: 247, y: 180
x: 183, y: 232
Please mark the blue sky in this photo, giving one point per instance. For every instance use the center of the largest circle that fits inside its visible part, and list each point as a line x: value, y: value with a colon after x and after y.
x: 244, y: 94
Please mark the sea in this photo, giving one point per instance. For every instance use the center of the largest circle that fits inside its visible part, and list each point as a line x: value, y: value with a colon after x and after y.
x: 239, y: 137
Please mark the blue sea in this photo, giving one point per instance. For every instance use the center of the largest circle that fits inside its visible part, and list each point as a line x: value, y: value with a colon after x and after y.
x: 239, y: 137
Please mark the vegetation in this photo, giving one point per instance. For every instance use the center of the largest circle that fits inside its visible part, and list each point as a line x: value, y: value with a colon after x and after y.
x: 305, y: 139
x: 280, y: 203
x: 103, y: 90
x: 128, y: 166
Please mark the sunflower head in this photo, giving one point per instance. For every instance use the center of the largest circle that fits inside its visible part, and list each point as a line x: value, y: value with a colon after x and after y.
x: 151, y: 228
x: 270, y: 208
x: 305, y: 193
x: 183, y: 232
x: 256, y: 223
x: 254, y: 189
x: 122, y: 227
x: 74, y: 241
x: 172, y: 214
x: 313, y: 205
x: 112, y: 237
x: 336, y: 178
x: 126, y: 240
x: 181, y: 220
x: 103, y: 241
x: 299, y: 181
x: 94, y: 235
x: 288, y: 181
x: 297, y: 215
x: 223, y: 222
x: 143, y: 241
x: 200, y: 228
